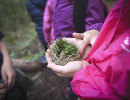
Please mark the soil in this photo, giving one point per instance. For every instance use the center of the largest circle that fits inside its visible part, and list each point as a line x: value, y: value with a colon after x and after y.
x: 48, y: 86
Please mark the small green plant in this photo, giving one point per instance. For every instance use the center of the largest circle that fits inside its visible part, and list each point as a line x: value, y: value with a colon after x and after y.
x: 65, y: 47
x: 62, y: 52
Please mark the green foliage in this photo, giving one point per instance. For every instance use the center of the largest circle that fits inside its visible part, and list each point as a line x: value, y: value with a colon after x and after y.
x: 19, y: 44
x: 13, y: 14
x: 65, y: 47
x: 70, y: 49
x: 62, y: 52
x: 37, y: 56
x: 13, y: 55
x: 19, y: 31
x: 33, y: 57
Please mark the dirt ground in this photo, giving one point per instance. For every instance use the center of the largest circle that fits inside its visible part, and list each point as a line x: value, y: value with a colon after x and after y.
x: 48, y: 86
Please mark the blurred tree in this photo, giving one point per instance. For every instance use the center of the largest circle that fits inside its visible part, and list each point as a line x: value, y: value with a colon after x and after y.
x: 13, y: 14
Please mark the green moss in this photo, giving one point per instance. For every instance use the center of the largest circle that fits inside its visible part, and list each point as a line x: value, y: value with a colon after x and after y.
x: 65, y: 47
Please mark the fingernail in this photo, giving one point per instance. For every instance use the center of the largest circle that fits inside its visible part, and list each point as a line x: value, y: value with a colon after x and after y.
x: 80, y: 53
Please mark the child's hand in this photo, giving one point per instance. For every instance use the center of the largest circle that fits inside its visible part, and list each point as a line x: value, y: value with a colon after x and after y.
x: 7, y: 70
x: 3, y: 90
x: 80, y: 44
x: 8, y: 73
x: 88, y: 38
x: 68, y: 70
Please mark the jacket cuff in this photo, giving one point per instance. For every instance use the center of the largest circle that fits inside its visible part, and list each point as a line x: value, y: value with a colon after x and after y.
x: 97, y: 26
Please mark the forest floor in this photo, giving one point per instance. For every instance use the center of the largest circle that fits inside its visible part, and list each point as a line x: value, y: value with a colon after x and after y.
x: 48, y: 86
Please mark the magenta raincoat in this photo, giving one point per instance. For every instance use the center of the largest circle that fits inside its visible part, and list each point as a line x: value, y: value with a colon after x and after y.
x: 108, y: 75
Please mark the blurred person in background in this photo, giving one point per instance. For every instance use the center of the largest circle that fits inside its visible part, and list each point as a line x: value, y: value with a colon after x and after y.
x: 9, y: 90
x: 35, y: 9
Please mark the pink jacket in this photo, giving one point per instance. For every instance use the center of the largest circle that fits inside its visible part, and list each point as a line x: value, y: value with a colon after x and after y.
x: 108, y: 75
x: 48, y: 21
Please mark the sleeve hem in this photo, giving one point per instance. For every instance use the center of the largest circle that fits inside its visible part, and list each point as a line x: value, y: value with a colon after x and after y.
x: 97, y: 26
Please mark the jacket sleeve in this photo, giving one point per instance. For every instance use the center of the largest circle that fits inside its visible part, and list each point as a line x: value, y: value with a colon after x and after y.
x: 48, y: 21
x: 94, y: 15
x: 109, y: 83
x: 35, y: 10
x: 91, y: 84
x: 108, y: 75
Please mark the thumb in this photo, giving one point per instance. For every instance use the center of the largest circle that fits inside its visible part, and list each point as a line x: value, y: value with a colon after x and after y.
x: 92, y: 41
x: 56, y: 68
x: 78, y: 36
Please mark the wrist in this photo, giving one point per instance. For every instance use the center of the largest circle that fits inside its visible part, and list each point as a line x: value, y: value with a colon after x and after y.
x: 85, y: 63
x: 7, y: 60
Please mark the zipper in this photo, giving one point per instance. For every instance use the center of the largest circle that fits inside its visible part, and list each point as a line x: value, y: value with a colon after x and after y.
x: 104, y: 48
x: 110, y: 43
x: 55, y: 11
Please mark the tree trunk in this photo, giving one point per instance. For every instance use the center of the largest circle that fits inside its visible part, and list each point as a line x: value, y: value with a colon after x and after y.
x: 28, y: 66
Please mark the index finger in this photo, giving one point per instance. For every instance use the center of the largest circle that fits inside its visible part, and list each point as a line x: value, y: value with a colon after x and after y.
x: 78, y: 36
x: 70, y: 40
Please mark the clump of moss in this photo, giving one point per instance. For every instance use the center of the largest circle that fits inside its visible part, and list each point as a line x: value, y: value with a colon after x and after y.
x: 62, y: 52
x: 65, y: 47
